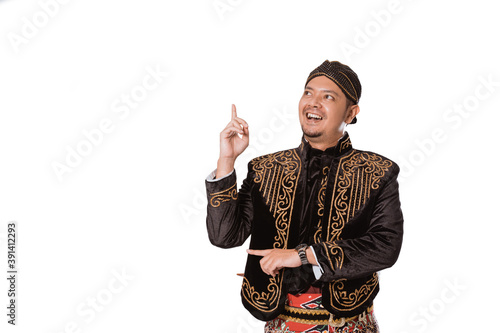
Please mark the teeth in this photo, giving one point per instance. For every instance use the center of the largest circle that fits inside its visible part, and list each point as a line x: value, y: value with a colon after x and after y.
x: 313, y: 116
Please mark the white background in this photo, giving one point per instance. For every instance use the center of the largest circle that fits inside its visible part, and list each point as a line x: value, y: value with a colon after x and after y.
x: 135, y: 203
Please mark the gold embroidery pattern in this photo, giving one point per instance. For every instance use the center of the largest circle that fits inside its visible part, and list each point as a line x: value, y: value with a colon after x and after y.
x: 263, y: 301
x: 357, y: 175
x: 290, y: 312
x: 352, y: 300
x: 334, y: 251
x: 321, y: 204
x: 346, y: 143
x: 310, y: 312
x: 219, y: 197
x: 278, y: 176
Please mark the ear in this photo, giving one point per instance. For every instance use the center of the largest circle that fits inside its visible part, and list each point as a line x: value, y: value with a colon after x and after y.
x: 352, y: 112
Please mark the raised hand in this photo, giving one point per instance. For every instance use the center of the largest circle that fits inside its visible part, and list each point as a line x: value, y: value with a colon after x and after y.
x: 232, y: 145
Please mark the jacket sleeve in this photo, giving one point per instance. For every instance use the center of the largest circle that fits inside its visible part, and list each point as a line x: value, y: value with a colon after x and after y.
x: 229, y: 212
x: 378, y: 248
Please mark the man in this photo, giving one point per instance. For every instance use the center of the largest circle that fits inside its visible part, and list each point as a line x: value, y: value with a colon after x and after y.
x: 324, y: 218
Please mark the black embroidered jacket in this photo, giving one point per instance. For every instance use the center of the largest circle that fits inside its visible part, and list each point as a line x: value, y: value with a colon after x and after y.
x: 355, y: 225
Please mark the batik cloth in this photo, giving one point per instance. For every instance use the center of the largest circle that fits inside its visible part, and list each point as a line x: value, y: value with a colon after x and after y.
x: 304, y: 313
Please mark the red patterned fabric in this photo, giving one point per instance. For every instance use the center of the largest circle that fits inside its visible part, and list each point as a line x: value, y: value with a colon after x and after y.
x: 309, y: 300
x: 310, y: 303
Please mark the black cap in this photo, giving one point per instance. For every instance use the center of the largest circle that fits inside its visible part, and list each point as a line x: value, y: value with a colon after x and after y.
x: 343, y: 76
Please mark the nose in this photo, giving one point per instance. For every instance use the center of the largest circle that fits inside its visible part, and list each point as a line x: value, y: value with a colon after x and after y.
x: 314, y: 102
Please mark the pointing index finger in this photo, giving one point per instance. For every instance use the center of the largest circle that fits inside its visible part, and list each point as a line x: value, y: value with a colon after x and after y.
x: 233, y: 111
x: 260, y: 253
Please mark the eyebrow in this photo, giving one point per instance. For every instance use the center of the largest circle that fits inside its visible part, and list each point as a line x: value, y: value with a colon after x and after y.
x: 324, y: 90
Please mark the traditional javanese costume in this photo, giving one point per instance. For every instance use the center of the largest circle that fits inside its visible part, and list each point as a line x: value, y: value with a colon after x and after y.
x: 342, y: 202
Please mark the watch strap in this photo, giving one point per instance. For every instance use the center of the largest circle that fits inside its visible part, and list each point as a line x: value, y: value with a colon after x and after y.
x: 301, y: 249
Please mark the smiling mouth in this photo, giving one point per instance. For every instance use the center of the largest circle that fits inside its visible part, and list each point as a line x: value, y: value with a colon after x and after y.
x: 313, y: 116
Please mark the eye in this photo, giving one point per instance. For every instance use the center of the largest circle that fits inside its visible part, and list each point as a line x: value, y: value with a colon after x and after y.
x: 307, y: 93
x: 330, y: 97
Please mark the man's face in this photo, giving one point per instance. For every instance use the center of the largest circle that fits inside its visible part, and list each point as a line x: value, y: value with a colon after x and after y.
x: 323, y: 112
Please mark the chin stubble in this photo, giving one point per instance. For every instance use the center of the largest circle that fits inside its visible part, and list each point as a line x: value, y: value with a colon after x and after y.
x: 311, y: 134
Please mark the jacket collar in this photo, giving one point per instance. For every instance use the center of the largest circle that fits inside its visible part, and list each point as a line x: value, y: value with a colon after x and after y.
x: 342, y: 147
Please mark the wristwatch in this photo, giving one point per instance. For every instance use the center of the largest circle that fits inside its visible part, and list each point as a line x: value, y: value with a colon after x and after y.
x: 301, y: 249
